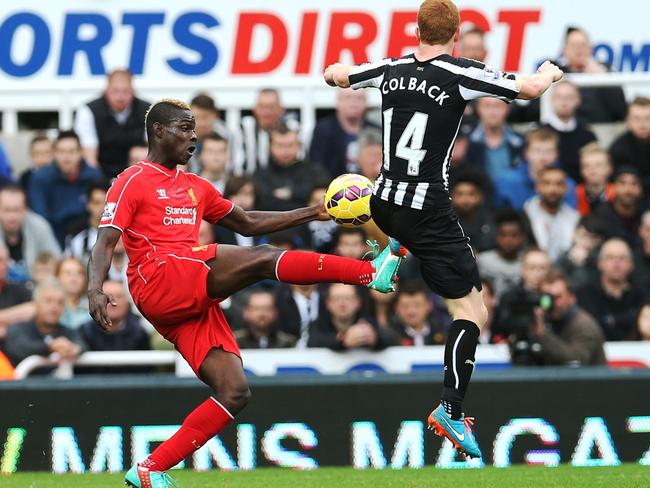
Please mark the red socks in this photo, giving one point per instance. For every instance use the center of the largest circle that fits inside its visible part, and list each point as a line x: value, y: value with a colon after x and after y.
x: 306, y: 268
x: 203, y: 423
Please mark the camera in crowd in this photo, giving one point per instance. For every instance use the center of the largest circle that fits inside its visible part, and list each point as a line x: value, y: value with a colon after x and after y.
x: 525, y: 350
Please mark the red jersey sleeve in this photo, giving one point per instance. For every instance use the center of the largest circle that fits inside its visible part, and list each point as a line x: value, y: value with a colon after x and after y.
x: 216, y: 206
x: 121, y: 201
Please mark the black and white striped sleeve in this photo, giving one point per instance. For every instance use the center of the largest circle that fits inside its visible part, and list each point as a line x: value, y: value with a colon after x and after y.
x: 368, y: 75
x: 480, y: 80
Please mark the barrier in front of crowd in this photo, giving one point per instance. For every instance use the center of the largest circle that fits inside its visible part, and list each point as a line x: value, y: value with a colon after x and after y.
x: 285, y: 362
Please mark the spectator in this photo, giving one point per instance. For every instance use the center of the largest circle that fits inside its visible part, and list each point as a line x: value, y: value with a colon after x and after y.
x: 117, y: 271
x: 344, y: 327
x: 461, y: 145
x: 596, y: 168
x: 467, y: 194
x: 612, y: 301
x: 253, y: 147
x: 349, y: 242
x: 622, y: 216
x: 298, y: 307
x: 567, y: 335
x: 58, y: 191
x: 242, y: 191
x: 493, y: 145
x: 642, y: 254
x: 260, y: 331
x: 138, y: 152
x: 580, y: 262
x: 320, y: 232
x: 15, y: 299
x: 213, y: 160
x: 633, y: 147
x: 335, y: 140
x: 25, y: 233
x: 381, y: 307
x: 471, y: 44
x: 206, y: 234
x: 502, y: 266
x: 45, y: 334
x: 517, y: 185
x: 535, y: 265
x: 371, y: 153
x: 44, y: 268
x: 109, y: 125
x: 125, y: 334
x: 286, y: 182
x: 80, y: 245
x: 565, y: 100
x: 412, y: 324
x: 208, y: 122
x: 643, y: 323
x: 600, y: 104
x: 41, y: 153
x: 551, y: 220
x: 71, y: 274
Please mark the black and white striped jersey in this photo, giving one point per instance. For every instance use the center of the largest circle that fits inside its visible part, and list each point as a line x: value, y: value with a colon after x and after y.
x: 423, y: 104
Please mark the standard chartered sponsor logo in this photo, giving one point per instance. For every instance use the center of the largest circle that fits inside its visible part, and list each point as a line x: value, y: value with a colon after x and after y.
x: 179, y: 216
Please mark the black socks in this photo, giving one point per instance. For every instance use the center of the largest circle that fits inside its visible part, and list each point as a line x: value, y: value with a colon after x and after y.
x: 459, y: 365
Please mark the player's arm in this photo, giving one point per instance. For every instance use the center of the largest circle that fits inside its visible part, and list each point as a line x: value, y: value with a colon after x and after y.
x: 338, y: 74
x: 255, y: 223
x: 98, y: 266
x: 367, y: 75
x: 533, y: 86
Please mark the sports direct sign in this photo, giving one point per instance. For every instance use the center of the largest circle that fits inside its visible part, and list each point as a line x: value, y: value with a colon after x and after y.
x: 225, y: 42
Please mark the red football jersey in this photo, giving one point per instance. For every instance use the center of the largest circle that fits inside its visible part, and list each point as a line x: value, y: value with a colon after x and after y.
x: 159, y: 210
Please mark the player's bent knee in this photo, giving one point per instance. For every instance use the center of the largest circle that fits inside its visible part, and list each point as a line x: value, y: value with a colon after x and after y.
x: 237, y: 398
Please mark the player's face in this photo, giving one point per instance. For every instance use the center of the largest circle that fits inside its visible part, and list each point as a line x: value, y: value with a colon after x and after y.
x: 179, y: 137
x: 552, y: 188
x: 565, y: 100
x: 628, y: 189
x: 466, y: 197
x: 413, y: 310
x: 595, y: 169
x: 534, y: 268
x: 638, y: 121
x: 12, y: 210
x: 42, y: 153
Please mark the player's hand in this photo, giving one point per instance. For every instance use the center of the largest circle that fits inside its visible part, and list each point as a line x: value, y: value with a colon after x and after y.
x: 320, y: 211
x: 98, y: 303
x: 329, y: 75
x: 548, y: 67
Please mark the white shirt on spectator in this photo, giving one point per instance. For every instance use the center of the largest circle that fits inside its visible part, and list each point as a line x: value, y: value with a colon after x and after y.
x: 553, y: 232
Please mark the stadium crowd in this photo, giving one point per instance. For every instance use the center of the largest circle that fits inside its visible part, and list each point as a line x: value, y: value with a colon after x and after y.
x: 557, y: 219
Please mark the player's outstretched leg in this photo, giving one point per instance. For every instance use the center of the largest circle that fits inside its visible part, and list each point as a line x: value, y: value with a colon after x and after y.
x: 223, y: 372
x: 448, y: 419
x: 236, y: 267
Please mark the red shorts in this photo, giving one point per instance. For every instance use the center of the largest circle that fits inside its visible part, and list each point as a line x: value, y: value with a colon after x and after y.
x: 170, y: 291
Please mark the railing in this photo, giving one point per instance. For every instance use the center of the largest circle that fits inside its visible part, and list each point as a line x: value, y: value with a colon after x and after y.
x: 274, y: 362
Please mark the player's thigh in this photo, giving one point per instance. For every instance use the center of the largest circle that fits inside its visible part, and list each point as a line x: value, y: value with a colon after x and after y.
x: 470, y: 307
x: 235, y: 267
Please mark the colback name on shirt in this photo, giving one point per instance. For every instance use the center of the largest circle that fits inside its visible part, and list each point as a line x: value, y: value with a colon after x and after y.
x: 414, y: 84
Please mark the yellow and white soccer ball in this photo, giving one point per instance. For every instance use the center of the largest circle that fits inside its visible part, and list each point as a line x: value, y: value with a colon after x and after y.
x: 347, y: 200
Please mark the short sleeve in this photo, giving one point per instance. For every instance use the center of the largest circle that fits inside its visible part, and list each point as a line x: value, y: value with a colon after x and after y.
x: 479, y: 80
x: 121, y: 201
x: 216, y: 206
x: 368, y: 75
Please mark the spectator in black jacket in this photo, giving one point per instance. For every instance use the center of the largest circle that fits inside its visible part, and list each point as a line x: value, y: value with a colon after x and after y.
x: 260, y: 324
x: 642, y: 254
x: 334, y: 142
x: 126, y: 333
x: 45, y: 334
x: 599, y: 104
x: 633, y: 147
x: 298, y: 307
x: 287, y: 181
x: 344, y: 327
x: 573, y: 134
x: 622, y: 215
x: 109, y: 125
x: 613, y: 301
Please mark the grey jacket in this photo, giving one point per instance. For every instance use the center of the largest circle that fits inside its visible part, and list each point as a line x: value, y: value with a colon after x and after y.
x: 37, y: 238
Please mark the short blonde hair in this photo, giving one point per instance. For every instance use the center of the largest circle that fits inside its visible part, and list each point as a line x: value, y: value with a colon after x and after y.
x: 594, y: 148
x: 438, y: 21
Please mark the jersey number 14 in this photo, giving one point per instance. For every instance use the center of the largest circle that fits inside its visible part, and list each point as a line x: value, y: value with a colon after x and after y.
x: 409, y: 144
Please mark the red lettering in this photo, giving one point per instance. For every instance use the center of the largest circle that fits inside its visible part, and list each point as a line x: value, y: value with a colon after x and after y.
x: 248, y: 22
x: 306, y: 43
x: 357, y: 45
x: 475, y: 18
x: 517, y: 21
x: 399, y: 38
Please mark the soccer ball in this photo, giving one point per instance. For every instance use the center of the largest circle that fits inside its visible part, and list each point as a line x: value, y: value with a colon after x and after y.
x: 347, y: 200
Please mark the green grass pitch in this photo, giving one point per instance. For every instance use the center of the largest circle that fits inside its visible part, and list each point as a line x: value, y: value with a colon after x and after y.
x: 628, y: 475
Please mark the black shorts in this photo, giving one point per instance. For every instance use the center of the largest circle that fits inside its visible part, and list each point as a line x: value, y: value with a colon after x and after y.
x: 437, y: 239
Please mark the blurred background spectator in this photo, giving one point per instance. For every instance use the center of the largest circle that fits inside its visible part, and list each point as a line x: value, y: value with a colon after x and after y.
x: 413, y: 316
x: 260, y: 324
x: 41, y: 153
x: 71, y: 273
x: 80, y: 244
x: 213, y: 160
x: 595, y: 170
x: 15, y: 298
x: 109, y: 125
x: 468, y: 197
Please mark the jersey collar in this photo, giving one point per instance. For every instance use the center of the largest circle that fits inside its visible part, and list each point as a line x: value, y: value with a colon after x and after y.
x: 172, y: 173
